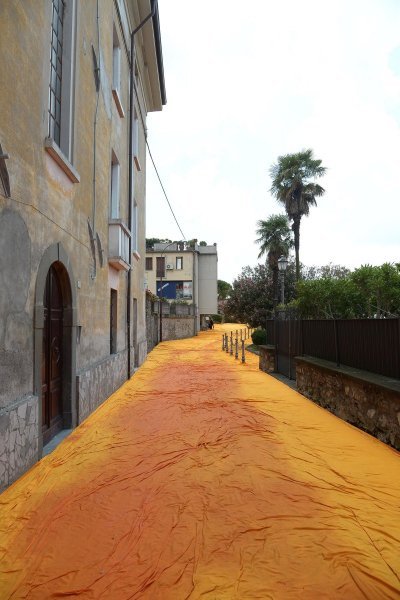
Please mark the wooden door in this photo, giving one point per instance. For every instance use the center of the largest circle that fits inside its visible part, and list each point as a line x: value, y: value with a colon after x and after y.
x: 52, y: 420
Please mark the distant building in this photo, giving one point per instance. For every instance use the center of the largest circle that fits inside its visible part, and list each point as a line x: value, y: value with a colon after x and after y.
x: 179, y: 271
x: 72, y: 237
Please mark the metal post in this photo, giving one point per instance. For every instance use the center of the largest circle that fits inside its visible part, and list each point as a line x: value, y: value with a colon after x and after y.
x: 231, y: 351
x: 236, y: 348
x: 243, y: 356
x: 223, y: 343
x: 241, y: 334
x: 226, y: 343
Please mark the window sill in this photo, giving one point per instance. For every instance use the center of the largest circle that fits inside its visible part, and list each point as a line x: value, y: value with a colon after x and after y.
x: 56, y: 153
x: 136, y: 254
x: 137, y: 163
x: 118, y: 103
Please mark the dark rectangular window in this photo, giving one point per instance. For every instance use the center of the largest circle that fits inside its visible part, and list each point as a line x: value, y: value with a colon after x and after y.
x: 56, y: 53
x: 160, y: 266
x: 149, y: 263
x: 113, y: 321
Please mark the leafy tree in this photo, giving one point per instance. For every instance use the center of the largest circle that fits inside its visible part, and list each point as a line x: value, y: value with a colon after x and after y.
x: 379, y: 288
x: 330, y: 270
x: 151, y: 241
x: 224, y: 289
x: 293, y: 185
x: 251, y: 300
x: 202, y: 243
x: 367, y: 292
x: 275, y: 240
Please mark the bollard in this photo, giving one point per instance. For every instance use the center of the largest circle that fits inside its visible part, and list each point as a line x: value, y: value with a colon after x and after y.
x: 243, y: 357
x: 236, y: 348
x: 231, y: 350
x: 226, y: 343
x: 223, y: 343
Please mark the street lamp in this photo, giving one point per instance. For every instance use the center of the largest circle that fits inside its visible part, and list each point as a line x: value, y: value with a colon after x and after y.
x: 282, y: 266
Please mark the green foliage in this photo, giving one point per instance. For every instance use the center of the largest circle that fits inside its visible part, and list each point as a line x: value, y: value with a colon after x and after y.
x: 274, y: 238
x: 224, y: 289
x: 367, y: 292
x: 203, y: 243
x: 217, y: 318
x: 259, y: 337
x: 151, y: 241
x: 293, y: 186
x: 252, y: 299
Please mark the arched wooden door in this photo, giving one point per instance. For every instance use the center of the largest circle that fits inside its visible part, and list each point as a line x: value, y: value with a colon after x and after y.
x: 52, y: 359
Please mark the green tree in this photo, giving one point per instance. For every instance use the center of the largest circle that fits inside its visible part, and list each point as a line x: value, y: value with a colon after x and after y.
x: 367, y: 292
x: 293, y: 185
x: 275, y: 240
x: 251, y: 299
x: 151, y: 241
x: 224, y: 289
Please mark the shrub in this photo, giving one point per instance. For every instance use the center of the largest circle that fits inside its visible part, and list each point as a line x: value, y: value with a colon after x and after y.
x: 216, y: 318
x: 259, y: 337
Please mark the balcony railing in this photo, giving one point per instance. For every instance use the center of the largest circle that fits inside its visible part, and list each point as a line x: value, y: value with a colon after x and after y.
x: 118, y: 245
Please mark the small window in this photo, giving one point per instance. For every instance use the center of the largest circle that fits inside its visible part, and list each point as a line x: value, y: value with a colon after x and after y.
x: 160, y: 269
x: 116, y: 79
x: 149, y: 263
x: 179, y: 263
x: 115, y: 177
x: 113, y: 321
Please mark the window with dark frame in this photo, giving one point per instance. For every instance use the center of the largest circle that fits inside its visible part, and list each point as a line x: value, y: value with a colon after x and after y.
x: 113, y: 321
x: 149, y: 263
x: 160, y: 268
x: 56, y: 52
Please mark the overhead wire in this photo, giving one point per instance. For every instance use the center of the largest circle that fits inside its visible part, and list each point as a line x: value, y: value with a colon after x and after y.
x: 153, y: 161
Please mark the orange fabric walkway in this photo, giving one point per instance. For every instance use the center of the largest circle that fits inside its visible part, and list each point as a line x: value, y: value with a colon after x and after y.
x: 205, y: 478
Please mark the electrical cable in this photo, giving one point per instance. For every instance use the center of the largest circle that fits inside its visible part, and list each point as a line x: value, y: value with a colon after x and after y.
x: 152, y: 159
x: 163, y: 189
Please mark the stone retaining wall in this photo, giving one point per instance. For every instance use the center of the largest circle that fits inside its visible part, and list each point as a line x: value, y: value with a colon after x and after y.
x: 177, y: 322
x: 18, y: 439
x: 97, y: 383
x: 368, y: 401
x: 267, y: 359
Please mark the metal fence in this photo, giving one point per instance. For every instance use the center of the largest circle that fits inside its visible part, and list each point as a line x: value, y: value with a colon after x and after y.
x: 368, y: 344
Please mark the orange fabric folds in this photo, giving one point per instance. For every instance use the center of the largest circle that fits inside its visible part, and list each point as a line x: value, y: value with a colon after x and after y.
x: 205, y: 478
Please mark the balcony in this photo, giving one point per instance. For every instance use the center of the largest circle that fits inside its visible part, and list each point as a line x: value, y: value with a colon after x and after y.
x: 118, y: 245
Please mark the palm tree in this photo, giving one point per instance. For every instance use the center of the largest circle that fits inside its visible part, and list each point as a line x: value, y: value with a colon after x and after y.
x: 275, y: 240
x: 293, y: 186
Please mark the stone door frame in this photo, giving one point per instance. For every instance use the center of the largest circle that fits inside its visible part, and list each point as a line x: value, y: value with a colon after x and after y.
x: 56, y: 255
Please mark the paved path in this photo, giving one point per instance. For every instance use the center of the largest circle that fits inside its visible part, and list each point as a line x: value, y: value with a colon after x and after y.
x: 205, y: 478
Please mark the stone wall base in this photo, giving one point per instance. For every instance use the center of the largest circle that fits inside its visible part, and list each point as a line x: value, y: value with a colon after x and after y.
x: 364, y: 400
x: 18, y: 439
x: 267, y: 359
x: 177, y: 328
x: 99, y: 381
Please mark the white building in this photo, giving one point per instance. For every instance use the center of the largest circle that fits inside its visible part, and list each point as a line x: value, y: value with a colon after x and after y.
x: 182, y: 272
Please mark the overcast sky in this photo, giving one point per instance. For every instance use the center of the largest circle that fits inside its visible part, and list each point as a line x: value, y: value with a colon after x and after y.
x: 249, y: 81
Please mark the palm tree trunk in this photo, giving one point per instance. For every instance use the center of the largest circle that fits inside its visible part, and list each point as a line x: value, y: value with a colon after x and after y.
x: 296, y: 231
x: 275, y: 286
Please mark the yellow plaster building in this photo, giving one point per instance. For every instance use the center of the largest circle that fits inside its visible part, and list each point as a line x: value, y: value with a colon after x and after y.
x: 72, y: 210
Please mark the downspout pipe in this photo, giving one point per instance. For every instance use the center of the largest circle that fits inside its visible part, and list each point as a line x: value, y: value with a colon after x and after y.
x: 130, y: 181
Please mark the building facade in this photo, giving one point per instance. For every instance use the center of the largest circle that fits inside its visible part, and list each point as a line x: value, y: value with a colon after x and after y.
x: 72, y: 211
x: 183, y: 272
